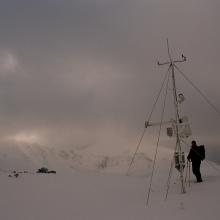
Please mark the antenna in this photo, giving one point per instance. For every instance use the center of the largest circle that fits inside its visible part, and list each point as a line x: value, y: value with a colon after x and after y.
x: 180, y: 126
x: 178, y: 150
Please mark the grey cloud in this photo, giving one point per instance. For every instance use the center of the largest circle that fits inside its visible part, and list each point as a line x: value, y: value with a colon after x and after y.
x: 85, y: 64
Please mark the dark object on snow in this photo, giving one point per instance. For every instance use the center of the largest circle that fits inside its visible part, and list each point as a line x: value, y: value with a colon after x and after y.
x: 42, y: 170
x: 196, y: 155
x: 45, y: 170
x: 52, y: 171
x: 14, y: 174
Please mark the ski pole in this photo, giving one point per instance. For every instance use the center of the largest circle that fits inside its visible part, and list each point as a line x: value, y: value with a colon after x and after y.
x: 187, y: 164
x: 189, y: 174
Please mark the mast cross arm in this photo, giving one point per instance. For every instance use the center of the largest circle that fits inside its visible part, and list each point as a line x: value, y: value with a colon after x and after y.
x: 172, y: 61
x: 179, y: 61
x: 148, y: 124
x: 161, y: 64
x: 182, y: 122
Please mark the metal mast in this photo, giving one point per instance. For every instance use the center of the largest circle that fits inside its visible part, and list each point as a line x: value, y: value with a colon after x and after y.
x: 178, y: 149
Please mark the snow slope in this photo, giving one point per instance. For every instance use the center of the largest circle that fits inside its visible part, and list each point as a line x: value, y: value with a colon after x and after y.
x: 83, y: 195
x: 25, y: 156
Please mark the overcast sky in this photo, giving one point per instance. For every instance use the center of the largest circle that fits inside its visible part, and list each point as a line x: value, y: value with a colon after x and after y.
x: 78, y: 70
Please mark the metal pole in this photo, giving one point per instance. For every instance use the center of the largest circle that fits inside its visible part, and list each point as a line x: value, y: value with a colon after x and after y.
x: 178, y: 145
x: 171, y: 64
x: 189, y: 173
x: 187, y: 165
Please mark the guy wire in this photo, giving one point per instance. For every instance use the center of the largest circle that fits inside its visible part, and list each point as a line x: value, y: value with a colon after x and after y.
x: 149, y: 117
x: 158, y: 140
x: 198, y: 90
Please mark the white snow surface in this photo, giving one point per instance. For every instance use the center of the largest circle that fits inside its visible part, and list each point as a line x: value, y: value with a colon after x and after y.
x: 106, y: 193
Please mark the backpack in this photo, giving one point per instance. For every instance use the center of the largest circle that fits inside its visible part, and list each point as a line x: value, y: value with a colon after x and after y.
x: 201, y: 151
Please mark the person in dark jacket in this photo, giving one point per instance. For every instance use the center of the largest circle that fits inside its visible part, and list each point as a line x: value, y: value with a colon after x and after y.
x: 196, y: 158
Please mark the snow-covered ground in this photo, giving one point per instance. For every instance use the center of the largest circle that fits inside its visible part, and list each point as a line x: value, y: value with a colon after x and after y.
x: 104, y: 194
